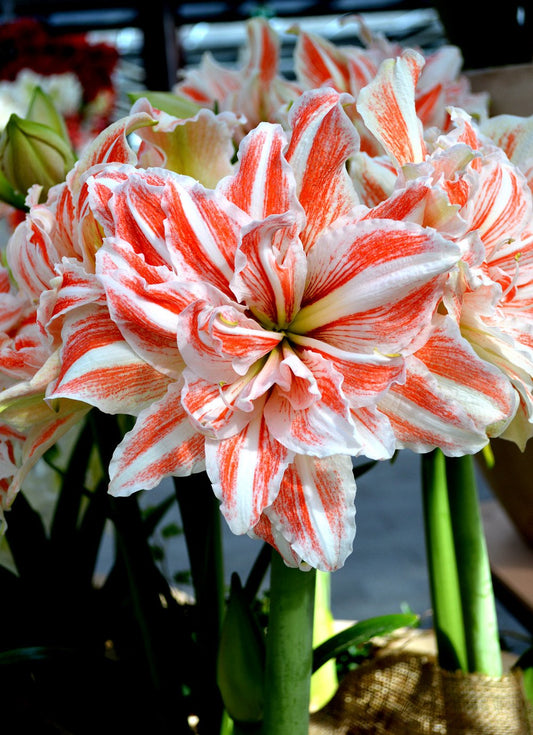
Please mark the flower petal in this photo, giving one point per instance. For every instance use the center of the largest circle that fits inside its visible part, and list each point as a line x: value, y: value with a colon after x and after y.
x: 162, y: 443
x: 202, y: 231
x: 387, y: 106
x: 99, y: 368
x: 374, y: 285
x: 210, y: 406
x: 451, y: 398
x: 246, y: 471
x: 270, y: 270
x: 127, y: 204
x: 315, y: 512
x: 323, y: 138
x: 200, y: 147
x: 220, y: 343
x: 321, y: 426
x: 264, y: 183
x: 144, y: 301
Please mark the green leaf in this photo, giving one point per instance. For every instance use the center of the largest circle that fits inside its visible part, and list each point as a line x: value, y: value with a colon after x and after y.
x: 360, y: 633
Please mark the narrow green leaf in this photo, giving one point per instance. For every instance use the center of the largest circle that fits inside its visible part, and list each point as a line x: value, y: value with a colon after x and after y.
x: 360, y: 633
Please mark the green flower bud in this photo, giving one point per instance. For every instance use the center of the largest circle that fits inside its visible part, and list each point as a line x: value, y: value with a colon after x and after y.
x: 33, y: 153
x: 241, y: 659
x: 43, y: 110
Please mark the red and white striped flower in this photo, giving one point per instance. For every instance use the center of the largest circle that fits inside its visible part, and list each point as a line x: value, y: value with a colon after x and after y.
x: 256, y: 90
x: 277, y: 316
x: 487, y: 296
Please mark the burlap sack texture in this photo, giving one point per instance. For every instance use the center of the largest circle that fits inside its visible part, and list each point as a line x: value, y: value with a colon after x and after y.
x: 406, y: 693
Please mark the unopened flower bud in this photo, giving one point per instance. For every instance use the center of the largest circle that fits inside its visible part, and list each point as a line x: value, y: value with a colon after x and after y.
x: 42, y: 110
x: 241, y: 659
x: 33, y: 153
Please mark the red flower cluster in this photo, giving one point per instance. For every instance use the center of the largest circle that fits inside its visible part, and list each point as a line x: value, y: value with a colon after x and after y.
x: 28, y: 44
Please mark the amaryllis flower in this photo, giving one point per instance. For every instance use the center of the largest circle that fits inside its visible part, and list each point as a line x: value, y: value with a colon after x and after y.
x: 493, y: 207
x: 256, y: 90
x: 51, y: 258
x: 349, y: 68
x: 278, y: 317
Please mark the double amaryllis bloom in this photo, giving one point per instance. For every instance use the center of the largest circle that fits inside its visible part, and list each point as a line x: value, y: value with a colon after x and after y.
x: 264, y: 321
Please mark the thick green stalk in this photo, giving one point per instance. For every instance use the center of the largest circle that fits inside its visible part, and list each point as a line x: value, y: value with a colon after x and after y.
x: 475, y: 580
x: 442, y: 564
x: 289, y: 655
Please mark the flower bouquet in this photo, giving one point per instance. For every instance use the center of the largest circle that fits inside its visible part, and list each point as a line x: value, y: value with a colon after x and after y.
x: 243, y: 284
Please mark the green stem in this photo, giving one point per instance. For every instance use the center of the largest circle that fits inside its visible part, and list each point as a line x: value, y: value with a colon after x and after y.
x: 289, y: 656
x: 475, y: 580
x: 442, y: 564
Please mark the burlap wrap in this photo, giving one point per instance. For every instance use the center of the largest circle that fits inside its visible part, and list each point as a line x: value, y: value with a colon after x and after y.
x: 408, y: 694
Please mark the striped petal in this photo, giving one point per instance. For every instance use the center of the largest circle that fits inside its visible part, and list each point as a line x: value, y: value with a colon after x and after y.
x: 162, y: 443
x: 127, y: 204
x: 211, y: 408
x: 264, y: 183
x: 72, y: 288
x: 323, y: 138
x: 387, y: 106
x: 480, y: 387
x: 98, y: 367
x: 320, y: 63
x: 43, y: 434
x: 111, y: 146
x: 366, y: 375
x: 514, y: 135
x: 311, y: 415
x: 263, y: 50
x: 314, y: 511
x: 144, y: 301
x: 246, y: 471
x: 220, y: 343
x: 374, y: 178
x: 373, y: 286
x: 374, y: 433
x: 502, y: 205
x: 32, y: 253
x: 271, y: 270
x: 202, y: 232
x: 451, y: 398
